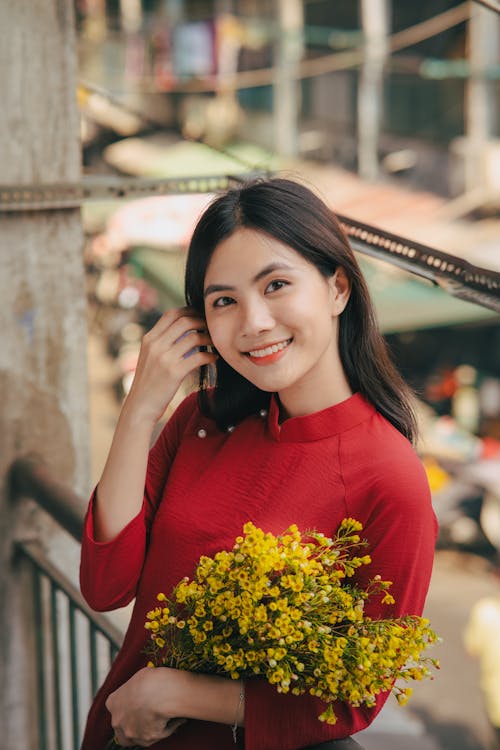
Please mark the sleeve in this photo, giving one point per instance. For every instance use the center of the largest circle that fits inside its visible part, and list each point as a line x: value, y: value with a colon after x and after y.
x: 400, y: 527
x: 271, y: 718
x: 109, y: 571
x: 392, y: 500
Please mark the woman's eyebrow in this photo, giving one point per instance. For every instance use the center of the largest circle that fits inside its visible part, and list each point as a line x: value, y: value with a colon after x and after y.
x: 211, y: 288
x: 271, y: 268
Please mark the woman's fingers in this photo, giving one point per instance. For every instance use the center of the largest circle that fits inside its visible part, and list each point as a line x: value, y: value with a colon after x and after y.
x: 180, y: 328
x: 165, y: 356
x: 178, y: 344
x: 180, y: 340
x: 185, y: 330
x: 191, y: 342
x: 176, y: 319
x: 127, y: 737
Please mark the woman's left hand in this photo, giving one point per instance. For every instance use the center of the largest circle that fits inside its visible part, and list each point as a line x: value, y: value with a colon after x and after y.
x: 139, y: 708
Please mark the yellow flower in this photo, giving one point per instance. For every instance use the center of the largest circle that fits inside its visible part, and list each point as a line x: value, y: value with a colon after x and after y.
x: 403, y: 695
x: 284, y: 607
x: 388, y: 599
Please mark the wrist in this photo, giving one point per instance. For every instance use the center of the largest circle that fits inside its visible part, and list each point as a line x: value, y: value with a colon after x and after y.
x: 136, y: 416
x: 174, y: 687
x: 205, y: 697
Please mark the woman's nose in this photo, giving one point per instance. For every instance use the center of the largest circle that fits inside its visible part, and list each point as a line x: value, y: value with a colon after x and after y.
x: 257, y: 317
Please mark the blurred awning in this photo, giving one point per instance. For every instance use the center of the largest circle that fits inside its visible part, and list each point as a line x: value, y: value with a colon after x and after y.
x: 162, y: 157
x: 405, y: 302
x: 164, y: 221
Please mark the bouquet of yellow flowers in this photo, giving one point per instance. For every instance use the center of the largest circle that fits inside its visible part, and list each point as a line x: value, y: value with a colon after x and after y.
x: 283, y: 607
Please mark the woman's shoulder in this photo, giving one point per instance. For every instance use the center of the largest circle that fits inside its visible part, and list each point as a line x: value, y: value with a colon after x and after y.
x: 374, y: 434
x: 382, y: 458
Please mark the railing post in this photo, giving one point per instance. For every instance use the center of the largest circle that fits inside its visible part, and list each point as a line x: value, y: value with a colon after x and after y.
x: 68, y: 650
x: 21, y: 682
x: 58, y: 649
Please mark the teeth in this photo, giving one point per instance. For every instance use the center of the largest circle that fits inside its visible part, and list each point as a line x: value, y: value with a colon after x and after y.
x: 270, y: 349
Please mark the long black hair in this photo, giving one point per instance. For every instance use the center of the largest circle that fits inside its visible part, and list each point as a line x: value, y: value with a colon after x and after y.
x: 294, y: 215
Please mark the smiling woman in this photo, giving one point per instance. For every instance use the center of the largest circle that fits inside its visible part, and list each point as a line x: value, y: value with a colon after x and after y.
x: 300, y: 418
x: 284, y: 223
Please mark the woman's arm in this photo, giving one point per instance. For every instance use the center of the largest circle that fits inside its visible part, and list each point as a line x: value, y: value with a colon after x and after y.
x: 145, y: 709
x: 169, y: 352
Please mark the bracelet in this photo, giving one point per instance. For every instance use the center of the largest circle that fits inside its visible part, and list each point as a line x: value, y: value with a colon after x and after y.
x: 241, y: 699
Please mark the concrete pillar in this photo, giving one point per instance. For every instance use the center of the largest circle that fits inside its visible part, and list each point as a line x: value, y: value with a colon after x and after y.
x: 481, y: 103
x: 131, y: 16
x: 375, y: 16
x: 286, y: 88
x: 43, y: 370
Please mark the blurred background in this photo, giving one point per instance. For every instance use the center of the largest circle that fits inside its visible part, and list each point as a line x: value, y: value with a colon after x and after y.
x: 121, y: 120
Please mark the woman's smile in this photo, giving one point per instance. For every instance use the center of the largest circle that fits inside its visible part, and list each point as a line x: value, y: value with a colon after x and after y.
x: 269, y: 354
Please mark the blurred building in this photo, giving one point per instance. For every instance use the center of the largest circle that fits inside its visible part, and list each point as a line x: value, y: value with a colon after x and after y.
x: 385, y: 87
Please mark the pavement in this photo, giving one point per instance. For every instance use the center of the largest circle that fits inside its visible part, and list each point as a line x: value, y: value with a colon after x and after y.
x: 396, y: 728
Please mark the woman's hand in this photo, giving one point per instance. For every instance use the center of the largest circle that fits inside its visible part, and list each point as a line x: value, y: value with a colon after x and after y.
x: 147, y: 707
x: 169, y: 352
x: 139, y: 708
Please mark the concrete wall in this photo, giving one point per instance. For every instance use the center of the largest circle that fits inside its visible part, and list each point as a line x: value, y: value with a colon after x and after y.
x: 43, y: 379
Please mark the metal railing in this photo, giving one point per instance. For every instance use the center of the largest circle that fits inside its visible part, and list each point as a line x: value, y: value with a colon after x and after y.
x: 73, y: 645
x: 455, y: 275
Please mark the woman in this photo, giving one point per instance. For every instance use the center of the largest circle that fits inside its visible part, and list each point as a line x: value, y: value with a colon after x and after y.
x: 308, y: 423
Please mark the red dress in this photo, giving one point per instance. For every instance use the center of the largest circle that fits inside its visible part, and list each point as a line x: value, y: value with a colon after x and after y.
x: 202, y: 487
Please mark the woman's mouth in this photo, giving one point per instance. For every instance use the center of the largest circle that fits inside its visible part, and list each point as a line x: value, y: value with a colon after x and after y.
x: 269, y: 353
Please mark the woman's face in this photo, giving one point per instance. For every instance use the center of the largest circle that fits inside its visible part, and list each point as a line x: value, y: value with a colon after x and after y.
x: 273, y: 317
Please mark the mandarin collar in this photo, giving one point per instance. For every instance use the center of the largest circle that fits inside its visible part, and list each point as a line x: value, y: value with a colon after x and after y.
x: 320, y: 424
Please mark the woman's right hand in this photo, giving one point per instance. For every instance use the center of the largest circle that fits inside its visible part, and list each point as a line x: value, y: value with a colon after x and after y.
x: 169, y: 352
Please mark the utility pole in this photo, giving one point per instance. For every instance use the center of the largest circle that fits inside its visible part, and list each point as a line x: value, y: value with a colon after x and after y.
x: 131, y: 16
x: 43, y: 380
x: 289, y: 49
x: 484, y: 49
x: 375, y: 20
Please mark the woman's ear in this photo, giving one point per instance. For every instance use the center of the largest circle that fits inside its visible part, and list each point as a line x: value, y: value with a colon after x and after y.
x: 340, y: 289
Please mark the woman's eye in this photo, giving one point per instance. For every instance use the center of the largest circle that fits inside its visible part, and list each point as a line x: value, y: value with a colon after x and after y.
x: 275, y: 285
x: 223, y: 301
